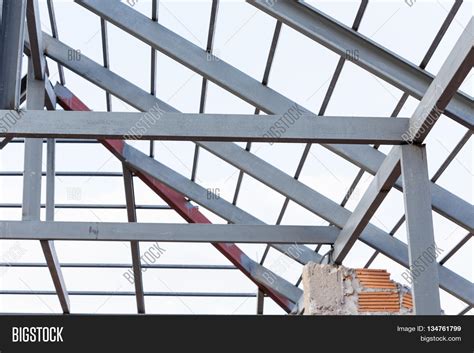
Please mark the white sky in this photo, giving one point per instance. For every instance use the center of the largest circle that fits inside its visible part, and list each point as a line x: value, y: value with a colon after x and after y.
x: 301, y: 71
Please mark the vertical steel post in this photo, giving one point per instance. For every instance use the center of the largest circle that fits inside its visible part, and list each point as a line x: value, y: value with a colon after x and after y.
x: 422, y: 250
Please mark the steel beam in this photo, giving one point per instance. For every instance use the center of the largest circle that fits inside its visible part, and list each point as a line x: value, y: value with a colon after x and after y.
x: 92, y: 206
x: 374, y: 195
x: 11, y: 49
x: 129, y: 294
x: 422, y: 250
x: 291, y: 127
x: 372, y: 57
x: 450, y: 76
x: 134, y: 245
x: 122, y: 265
x: 35, y: 38
x: 198, y: 233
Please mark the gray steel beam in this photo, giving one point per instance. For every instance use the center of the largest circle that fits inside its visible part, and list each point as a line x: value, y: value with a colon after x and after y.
x: 230, y: 79
x: 372, y: 57
x: 450, y: 76
x: 11, y: 49
x: 129, y: 294
x: 194, y: 232
x: 93, y: 206
x: 35, y: 39
x: 374, y: 195
x: 395, y: 249
x: 122, y: 265
x: 422, y: 250
x: 134, y: 245
x: 204, y: 127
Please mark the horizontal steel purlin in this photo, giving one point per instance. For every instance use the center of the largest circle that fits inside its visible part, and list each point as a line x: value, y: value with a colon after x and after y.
x: 294, y: 126
x: 182, y: 206
x: 129, y: 294
x: 167, y: 232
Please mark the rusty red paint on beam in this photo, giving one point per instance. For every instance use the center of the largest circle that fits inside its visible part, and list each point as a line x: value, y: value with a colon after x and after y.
x: 68, y: 101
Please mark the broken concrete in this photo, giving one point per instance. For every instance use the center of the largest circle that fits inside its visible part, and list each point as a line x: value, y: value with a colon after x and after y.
x: 338, y: 290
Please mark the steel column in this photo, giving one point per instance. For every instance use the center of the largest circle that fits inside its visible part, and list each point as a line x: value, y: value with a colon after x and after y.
x: 11, y: 49
x: 422, y: 250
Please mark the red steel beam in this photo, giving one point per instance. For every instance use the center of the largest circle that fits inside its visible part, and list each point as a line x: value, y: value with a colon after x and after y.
x: 68, y: 101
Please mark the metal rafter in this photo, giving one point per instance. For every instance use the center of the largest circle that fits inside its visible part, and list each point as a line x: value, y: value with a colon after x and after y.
x: 54, y: 33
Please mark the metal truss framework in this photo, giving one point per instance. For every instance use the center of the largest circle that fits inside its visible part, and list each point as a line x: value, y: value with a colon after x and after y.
x: 404, y: 168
